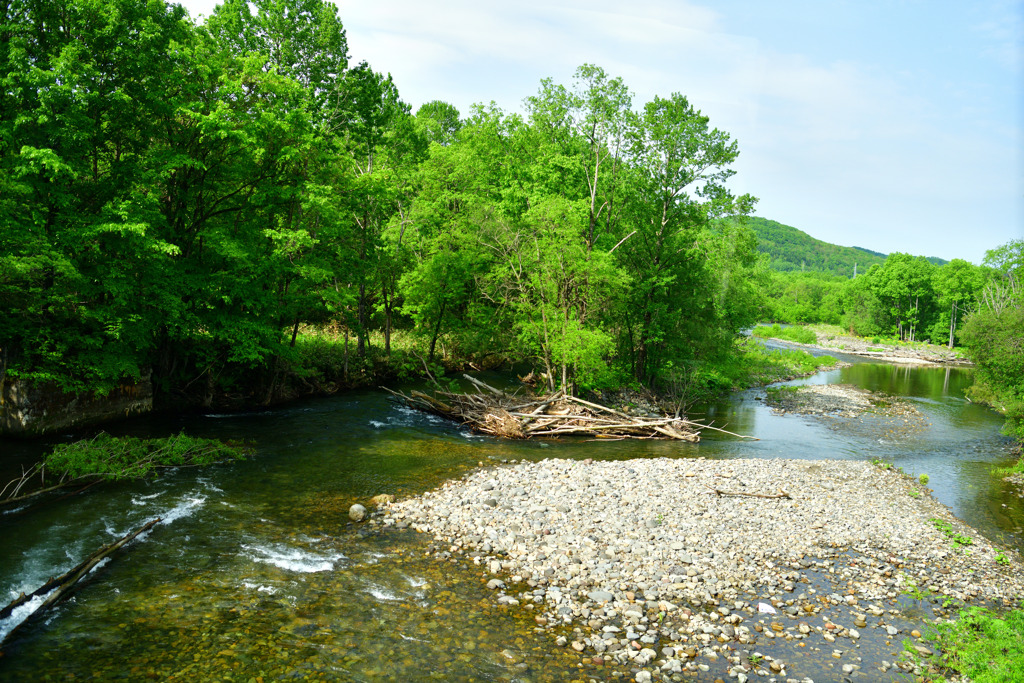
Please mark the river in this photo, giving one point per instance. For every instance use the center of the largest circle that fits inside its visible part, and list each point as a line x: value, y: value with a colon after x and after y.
x: 256, y: 574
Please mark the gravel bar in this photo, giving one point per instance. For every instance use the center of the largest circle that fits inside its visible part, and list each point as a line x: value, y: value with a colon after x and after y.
x: 620, y: 550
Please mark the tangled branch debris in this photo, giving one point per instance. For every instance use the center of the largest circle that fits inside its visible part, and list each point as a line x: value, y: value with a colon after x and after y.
x: 495, y: 412
x: 107, y: 458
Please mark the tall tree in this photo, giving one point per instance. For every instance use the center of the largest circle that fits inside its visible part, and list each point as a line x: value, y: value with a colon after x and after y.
x: 438, y: 122
x: 301, y: 39
x: 81, y: 254
x: 380, y: 141
x: 680, y: 165
x: 957, y: 284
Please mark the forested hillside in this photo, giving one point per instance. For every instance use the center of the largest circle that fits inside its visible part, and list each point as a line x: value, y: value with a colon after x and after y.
x: 790, y: 249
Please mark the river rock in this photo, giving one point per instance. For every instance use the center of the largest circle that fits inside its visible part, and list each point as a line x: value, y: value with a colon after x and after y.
x: 357, y: 513
x: 628, y: 590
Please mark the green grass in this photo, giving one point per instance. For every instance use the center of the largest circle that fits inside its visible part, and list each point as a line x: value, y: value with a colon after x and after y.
x: 784, y: 389
x: 749, y: 365
x: 947, y: 529
x: 800, y: 335
x: 755, y: 365
x: 1015, y: 468
x: 986, y: 646
x: 321, y: 358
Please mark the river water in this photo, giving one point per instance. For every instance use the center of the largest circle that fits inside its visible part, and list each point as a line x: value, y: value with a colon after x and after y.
x: 255, y: 573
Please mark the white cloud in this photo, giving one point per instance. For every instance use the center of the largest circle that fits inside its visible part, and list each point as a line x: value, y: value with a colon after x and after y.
x: 882, y: 150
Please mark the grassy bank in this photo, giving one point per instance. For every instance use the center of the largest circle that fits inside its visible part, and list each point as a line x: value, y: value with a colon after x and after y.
x: 752, y: 365
x: 800, y: 335
x: 835, y: 332
x: 322, y: 363
x: 983, y: 645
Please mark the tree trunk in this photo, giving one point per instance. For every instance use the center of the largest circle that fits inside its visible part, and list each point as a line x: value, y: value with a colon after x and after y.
x: 952, y: 324
x: 361, y: 322
x: 437, y: 331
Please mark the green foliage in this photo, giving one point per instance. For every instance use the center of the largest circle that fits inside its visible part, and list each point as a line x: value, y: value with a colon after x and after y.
x: 947, y: 529
x: 182, y: 201
x: 904, y: 285
x: 1016, y: 468
x: 800, y: 335
x: 911, y: 588
x: 980, y: 644
x: 790, y: 250
x: 812, y: 297
x: 753, y: 365
x: 779, y: 391
x: 994, y: 335
x: 127, y: 457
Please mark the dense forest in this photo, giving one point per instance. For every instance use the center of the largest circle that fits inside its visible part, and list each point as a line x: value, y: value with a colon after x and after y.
x: 185, y: 201
x: 195, y: 203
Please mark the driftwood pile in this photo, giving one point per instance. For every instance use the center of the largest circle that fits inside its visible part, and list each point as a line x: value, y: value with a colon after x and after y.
x: 495, y: 412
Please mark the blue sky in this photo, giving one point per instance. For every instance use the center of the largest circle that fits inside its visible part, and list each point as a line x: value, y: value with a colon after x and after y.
x: 894, y: 126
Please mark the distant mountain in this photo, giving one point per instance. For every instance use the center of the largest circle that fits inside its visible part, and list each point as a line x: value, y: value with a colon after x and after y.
x: 792, y: 249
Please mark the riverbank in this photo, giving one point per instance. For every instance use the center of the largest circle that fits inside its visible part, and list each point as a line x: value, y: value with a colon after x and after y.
x: 325, y: 364
x: 658, y: 567
x: 829, y: 337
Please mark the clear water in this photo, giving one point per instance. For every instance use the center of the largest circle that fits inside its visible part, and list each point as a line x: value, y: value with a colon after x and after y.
x: 255, y: 572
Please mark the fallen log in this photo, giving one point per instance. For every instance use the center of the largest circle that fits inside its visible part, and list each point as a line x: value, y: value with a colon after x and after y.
x: 58, y: 588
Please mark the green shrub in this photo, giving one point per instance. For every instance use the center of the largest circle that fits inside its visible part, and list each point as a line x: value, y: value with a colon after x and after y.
x: 982, y: 645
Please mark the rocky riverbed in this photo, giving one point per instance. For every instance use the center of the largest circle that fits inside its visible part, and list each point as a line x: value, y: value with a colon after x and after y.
x: 836, y: 400
x: 661, y: 569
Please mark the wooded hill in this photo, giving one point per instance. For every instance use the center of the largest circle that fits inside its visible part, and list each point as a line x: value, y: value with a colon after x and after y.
x: 792, y: 249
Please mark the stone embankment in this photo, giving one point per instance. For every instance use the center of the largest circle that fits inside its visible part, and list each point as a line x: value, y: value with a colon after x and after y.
x: 662, y: 567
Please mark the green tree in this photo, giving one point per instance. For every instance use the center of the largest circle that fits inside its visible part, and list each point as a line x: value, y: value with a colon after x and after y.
x: 957, y: 284
x: 904, y: 284
x: 301, y: 39
x: 438, y: 122
x: 994, y: 335
x: 863, y: 313
x: 679, y: 168
x: 380, y: 140
x: 460, y: 188
x: 81, y: 254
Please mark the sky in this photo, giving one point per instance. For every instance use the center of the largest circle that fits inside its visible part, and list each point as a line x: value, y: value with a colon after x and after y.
x: 893, y: 125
